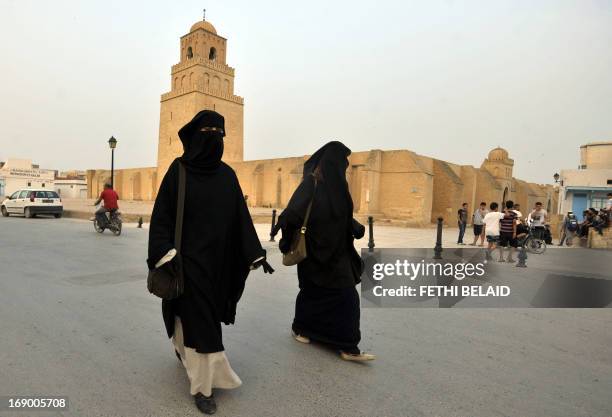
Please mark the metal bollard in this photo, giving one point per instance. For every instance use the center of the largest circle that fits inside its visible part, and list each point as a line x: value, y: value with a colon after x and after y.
x: 273, y: 224
x: 522, y: 257
x: 438, y: 247
x: 140, y: 223
x: 371, y: 233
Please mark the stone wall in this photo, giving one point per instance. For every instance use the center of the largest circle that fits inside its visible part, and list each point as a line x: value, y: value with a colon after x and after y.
x: 597, y: 241
x: 396, y: 185
x: 130, y: 184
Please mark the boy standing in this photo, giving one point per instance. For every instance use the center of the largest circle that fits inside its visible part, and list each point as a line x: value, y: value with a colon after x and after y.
x: 477, y: 221
x: 491, y: 227
x: 507, y: 235
x: 462, y: 222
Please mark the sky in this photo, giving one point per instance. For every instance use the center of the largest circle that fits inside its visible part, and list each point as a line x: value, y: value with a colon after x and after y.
x: 446, y: 79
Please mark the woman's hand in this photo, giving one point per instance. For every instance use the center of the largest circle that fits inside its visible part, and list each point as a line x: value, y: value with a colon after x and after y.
x: 358, y: 229
x: 267, y: 268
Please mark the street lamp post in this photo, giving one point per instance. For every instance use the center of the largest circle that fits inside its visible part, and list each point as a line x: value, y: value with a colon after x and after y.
x: 112, y: 142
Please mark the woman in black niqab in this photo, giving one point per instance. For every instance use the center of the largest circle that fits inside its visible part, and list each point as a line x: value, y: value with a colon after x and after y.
x: 327, y: 307
x: 219, y: 247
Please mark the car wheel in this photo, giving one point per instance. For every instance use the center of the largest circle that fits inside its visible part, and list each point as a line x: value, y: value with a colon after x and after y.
x: 27, y: 213
x: 57, y: 215
x: 5, y: 212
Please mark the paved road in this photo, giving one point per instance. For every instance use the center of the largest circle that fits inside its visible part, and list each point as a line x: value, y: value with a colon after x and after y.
x: 77, y: 320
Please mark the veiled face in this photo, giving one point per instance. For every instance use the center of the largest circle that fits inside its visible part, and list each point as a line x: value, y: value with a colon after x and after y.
x: 203, y: 148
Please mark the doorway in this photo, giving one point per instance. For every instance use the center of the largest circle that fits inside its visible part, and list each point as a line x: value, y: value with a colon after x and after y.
x: 579, y: 204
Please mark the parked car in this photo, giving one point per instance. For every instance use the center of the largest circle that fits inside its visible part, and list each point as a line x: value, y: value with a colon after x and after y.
x: 30, y: 202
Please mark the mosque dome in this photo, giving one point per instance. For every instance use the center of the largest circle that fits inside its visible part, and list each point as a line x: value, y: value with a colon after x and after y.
x: 203, y: 24
x: 498, y: 154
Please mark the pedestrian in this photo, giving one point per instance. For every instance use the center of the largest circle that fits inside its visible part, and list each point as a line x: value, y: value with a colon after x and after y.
x: 477, y: 222
x: 517, y: 211
x: 462, y: 215
x: 219, y: 247
x: 507, y: 232
x: 538, y: 219
x: 569, y: 227
x: 327, y: 306
x: 491, y: 228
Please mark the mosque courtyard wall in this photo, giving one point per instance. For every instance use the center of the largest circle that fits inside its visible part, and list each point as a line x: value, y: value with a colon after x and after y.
x: 394, y: 185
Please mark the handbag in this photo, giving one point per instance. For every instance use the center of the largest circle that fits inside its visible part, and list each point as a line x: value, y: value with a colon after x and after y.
x: 297, y: 251
x: 167, y: 281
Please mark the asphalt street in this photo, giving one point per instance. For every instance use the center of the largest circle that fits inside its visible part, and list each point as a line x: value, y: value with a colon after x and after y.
x: 77, y: 320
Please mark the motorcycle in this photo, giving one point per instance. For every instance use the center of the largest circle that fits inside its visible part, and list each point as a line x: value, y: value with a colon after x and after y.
x: 113, y: 222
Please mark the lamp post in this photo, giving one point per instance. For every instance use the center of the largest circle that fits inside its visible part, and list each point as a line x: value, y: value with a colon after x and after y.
x: 112, y: 143
x: 556, y: 177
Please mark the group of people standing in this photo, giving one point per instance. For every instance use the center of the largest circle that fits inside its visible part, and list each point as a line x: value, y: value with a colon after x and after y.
x: 219, y: 246
x: 502, y: 229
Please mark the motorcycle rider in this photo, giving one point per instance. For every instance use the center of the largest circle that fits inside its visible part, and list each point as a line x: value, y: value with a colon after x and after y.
x: 110, y: 198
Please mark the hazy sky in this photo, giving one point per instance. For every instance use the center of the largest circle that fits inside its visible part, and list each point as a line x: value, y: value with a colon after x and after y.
x: 448, y: 79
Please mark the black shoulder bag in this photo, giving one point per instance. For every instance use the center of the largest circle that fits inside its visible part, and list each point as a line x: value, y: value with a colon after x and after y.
x: 166, y: 282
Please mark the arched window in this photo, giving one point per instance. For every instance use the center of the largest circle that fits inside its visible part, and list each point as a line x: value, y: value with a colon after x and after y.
x: 212, y: 55
x: 189, y: 53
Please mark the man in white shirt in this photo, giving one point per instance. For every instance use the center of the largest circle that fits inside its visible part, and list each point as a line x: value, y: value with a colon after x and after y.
x: 491, y: 227
x: 538, y: 219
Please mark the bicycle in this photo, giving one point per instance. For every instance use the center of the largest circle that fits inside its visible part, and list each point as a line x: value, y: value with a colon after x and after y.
x: 533, y: 243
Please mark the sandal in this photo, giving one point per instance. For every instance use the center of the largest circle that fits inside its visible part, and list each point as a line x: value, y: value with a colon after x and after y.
x: 357, y: 357
x: 300, y: 338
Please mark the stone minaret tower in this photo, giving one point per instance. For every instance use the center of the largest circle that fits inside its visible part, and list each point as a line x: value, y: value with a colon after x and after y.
x: 201, y: 80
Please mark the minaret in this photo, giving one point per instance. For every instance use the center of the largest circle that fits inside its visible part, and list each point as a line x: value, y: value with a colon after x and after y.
x: 201, y: 80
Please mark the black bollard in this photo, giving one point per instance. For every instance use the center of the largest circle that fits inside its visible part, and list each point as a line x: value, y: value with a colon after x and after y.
x: 371, y: 232
x: 273, y: 224
x: 522, y: 257
x: 438, y: 248
x: 140, y: 223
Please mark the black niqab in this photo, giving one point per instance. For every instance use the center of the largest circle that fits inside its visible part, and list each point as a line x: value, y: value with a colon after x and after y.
x: 332, y: 162
x: 203, y: 150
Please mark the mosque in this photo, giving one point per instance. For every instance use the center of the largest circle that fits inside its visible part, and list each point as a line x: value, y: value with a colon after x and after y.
x: 397, y: 185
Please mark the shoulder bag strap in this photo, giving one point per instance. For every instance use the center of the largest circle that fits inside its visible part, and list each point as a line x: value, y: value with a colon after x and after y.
x: 180, y: 208
x: 307, y: 216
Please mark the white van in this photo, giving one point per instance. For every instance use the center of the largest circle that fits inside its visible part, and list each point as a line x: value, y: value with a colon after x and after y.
x: 30, y: 202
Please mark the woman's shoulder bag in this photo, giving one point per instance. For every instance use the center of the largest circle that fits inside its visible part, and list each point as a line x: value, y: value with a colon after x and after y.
x: 297, y: 252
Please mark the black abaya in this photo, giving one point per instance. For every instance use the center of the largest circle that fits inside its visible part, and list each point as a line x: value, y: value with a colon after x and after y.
x: 327, y: 306
x: 219, y: 242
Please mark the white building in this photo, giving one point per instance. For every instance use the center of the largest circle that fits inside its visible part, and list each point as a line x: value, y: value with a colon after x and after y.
x: 70, y: 187
x: 21, y: 173
x: 588, y: 185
